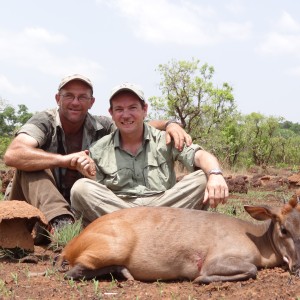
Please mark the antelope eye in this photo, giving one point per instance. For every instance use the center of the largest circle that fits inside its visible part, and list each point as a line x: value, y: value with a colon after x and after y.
x: 283, y: 230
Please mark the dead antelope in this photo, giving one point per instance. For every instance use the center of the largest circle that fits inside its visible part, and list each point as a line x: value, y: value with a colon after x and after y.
x: 151, y: 243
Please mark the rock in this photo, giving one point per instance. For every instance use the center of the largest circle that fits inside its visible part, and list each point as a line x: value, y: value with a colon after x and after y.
x: 294, y: 180
x: 17, y: 219
x: 238, y: 184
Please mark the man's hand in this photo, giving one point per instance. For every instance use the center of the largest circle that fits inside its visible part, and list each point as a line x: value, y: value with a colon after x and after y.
x: 178, y: 134
x: 216, y: 190
x: 81, y: 162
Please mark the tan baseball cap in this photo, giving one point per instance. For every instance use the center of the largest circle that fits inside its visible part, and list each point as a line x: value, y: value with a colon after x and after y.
x: 67, y: 79
x: 127, y: 87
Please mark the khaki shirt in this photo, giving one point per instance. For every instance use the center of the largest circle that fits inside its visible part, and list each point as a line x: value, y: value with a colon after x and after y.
x: 149, y: 172
x: 45, y: 127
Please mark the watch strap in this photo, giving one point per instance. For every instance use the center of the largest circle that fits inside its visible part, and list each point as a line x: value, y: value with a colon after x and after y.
x: 215, y: 171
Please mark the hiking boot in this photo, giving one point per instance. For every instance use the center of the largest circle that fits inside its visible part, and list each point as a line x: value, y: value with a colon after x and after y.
x: 57, y: 223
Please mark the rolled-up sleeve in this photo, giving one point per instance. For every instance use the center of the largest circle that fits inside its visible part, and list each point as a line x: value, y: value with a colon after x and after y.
x: 34, y: 132
x: 187, y: 156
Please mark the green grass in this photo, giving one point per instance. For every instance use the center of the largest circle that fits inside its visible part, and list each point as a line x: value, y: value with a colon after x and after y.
x: 15, y: 253
x: 5, y: 291
x: 261, y: 196
x: 235, y: 204
x: 61, y: 237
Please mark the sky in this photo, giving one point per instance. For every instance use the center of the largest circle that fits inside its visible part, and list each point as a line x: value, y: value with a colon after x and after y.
x: 253, y: 45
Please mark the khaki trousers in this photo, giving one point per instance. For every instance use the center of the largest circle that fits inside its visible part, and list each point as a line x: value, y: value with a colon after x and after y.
x: 91, y: 200
x: 39, y: 189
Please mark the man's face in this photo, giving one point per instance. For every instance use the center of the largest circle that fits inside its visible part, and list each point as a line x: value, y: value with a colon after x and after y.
x: 74, y: 101
x: 128, y: 113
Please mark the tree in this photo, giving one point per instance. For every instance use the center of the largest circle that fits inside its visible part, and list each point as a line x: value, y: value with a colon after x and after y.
x: 188, y: 94
x: 233, y: 141
x: 287, y: 152
x: 263, y: 137
x: 10, y: 120
x: 295, y: 127
x: 208, y: 113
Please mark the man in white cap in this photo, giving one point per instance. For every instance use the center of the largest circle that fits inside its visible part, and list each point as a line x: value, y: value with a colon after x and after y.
x: 135, y: 167
x: 47, y: 150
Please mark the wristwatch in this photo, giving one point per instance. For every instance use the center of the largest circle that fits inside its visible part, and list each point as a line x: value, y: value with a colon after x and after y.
x: 173, y: 121
x: 215, y: 172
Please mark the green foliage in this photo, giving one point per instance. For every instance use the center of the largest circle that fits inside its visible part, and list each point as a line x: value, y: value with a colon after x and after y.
x: 4, y: 142
x: 204, y: 109
x: 11, y: 120
x: 294, y: 127
x: 208, y: 113
x: 262, y: 137
x: 61, y: 237
x: 232, y: 140
x: 189, y: 94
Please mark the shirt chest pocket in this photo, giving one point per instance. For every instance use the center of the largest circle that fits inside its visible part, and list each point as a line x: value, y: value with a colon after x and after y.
x: 117, y: 178
x: 157, y: 173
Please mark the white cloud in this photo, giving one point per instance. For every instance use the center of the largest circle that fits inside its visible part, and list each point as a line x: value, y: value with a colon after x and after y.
x: 178, y: 22
x: 7, y: 86
x: 235, y: 7
x: 30, y: 49
x: 294, y: 71
x: 235, y: 31
x: 286, y: 23
x: 285, y: 40
x: 41, y: 34
x: 281, y: 44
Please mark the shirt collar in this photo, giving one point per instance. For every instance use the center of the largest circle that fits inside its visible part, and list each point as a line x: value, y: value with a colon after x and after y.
x: 117, y: 140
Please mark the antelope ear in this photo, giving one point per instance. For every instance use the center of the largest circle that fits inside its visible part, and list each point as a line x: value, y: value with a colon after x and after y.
x: 262, y: 213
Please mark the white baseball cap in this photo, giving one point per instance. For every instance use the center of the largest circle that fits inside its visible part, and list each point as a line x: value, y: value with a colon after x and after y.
x: 128, y: 87
x: 67, y: 79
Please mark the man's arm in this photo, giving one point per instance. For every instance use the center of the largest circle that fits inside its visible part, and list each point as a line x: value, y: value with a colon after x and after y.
x: 173, y: 131
x: 23, y: 153
x: 216, y: 189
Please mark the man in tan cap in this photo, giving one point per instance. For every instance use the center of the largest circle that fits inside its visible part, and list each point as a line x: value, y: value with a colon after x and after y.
x: 135, y: 167
x: 48, y: 149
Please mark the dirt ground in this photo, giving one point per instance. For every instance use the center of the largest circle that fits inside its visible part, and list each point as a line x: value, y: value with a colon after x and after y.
x: 19, y: 281
x: 270, y: 284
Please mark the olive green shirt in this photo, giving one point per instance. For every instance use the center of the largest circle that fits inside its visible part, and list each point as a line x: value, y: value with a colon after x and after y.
x: 45, y: 127
x: 149, y: 172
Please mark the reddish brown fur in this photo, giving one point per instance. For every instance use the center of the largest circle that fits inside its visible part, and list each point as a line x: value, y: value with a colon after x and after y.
x: 150, y: 243
x: 288, y: 207
x: 77, y: 249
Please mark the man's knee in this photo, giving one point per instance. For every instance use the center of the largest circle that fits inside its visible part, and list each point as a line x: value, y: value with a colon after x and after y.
x: 80, y: 192
x: 195, y: 180
x: 79, y: 188
x: 199, y: 174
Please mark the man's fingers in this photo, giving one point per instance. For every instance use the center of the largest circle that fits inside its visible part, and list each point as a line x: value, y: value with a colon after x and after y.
x: 73, y: 162
x: 168, y: 138
x: 188, y: 139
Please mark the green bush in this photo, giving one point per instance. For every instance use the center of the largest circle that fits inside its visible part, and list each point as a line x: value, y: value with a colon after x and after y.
x: 4, y: 142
